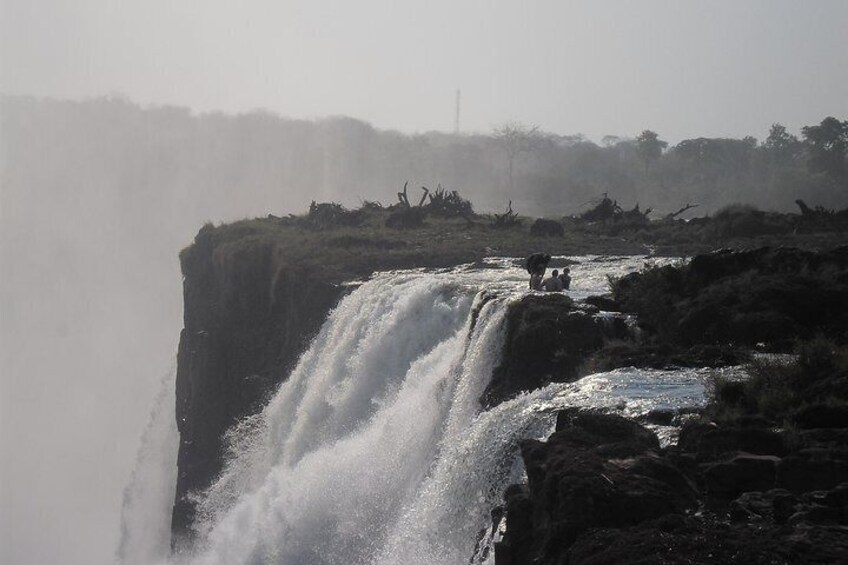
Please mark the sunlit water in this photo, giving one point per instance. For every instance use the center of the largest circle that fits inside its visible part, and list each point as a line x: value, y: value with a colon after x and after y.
x: 375, y: 450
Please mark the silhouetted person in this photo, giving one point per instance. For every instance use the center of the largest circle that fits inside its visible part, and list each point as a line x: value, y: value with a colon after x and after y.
x: 552, y: 283
x: 536, y: 265
x: 565, y: 278
x: 536, y: 281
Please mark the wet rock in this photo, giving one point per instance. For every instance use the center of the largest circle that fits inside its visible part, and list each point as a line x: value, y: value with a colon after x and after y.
x: 813, y: 469
x: 775, y: 505
x: 740, y: 473
x: 821, y: 415
x: 520, y: 521
x: 596, y: 470
x: 597, y: 429
x: 604, y: 303
x: 709, y: 442
x: 660, y: 417
x: 824, y: 438
x: 674, y: 540
x: 547, y: 340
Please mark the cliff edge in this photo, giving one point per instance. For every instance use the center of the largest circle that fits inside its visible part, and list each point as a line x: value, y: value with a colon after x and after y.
x: 250, y: 310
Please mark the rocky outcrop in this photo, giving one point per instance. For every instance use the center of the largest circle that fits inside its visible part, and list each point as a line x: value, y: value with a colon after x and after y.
x: 595, y: 471
x: 249, y: 313
x: 600, y: 491
x: 760, y: 477
x: 771, y: 296
x: 547, y: 339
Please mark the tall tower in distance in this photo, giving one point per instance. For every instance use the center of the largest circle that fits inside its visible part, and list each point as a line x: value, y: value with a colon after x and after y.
x: 456, y: 117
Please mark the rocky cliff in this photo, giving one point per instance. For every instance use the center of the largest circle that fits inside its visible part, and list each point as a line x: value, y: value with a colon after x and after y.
x: 250, y: 311
x: 758, y: 477
x: 253, y: 300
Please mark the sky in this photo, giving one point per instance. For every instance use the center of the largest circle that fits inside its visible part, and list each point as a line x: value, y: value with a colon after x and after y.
x: 76, y: 394
x: 682, y: 68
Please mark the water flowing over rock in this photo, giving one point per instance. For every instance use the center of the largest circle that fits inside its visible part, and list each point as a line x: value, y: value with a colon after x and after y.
x: 395, y: 436
x: 375, y: 448
x: 248, y: 316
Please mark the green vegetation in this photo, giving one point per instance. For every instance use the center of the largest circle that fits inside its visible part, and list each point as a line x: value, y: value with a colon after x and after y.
x: 260, y: 161
x: 784, y: 391
x: 765, y: 296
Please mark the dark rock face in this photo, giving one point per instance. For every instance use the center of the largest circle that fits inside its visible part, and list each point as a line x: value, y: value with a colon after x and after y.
x: 741, y: 473
x: 813, y: 469
x: 709, y: 441
x: 766, y: 464
x: 547, y: 339
x: 762, y: 296
x: 600, y: 491
x: 595, y: 471
x: 248, y: 316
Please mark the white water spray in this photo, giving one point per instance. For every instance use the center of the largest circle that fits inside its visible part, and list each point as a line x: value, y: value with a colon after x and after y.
x: 345, y: 448
x: 149, y: 496
x: 375, y: 451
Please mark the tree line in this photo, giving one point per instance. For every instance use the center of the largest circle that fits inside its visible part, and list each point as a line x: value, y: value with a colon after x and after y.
x: 167, y: 159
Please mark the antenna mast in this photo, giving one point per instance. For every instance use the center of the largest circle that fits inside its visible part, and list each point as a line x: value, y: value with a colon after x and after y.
x: 456, y: 119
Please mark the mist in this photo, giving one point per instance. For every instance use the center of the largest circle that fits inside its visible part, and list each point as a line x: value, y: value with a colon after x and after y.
x: 124, y: 129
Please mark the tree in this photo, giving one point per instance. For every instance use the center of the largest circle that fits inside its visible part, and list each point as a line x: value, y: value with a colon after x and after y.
x: 517, y: 138
x: 650, y: 147
x: 782, y: 147
x: 826, y: 145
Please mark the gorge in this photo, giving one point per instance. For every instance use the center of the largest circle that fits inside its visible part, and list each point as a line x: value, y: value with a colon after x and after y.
x: 375, y: 448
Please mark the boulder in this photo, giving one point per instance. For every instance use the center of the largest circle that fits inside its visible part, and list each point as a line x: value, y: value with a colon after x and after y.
x: 821, y: 415
x: 547, y: 340
x: 741, y: 473
x: 596, y: 470
x: 813, y: 469
x: 775, y: 505
x: 709, y: 441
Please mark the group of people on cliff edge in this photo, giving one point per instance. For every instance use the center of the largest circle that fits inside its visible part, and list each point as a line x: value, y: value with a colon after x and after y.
x: 536, y: 265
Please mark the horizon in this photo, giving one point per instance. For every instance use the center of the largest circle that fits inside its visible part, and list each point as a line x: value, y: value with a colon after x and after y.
x: 195, y: 113
x: 683, y: 70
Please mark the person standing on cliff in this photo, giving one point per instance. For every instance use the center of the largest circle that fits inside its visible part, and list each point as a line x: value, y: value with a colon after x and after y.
x: 536, y: 265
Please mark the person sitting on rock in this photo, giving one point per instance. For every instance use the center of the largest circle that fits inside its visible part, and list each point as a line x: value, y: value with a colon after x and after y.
x: 565, y: 278
x: 552, y: 283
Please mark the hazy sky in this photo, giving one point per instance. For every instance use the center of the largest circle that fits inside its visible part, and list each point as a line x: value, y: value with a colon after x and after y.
x: 101, y: 306
x: 683, y: 68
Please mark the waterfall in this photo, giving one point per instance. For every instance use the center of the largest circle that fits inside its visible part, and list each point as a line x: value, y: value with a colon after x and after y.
x: 149, y: 496
x: 375, y: 450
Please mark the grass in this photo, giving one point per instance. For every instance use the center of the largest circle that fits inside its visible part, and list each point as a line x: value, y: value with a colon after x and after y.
x: 777, y: 388
x: 344, y: 251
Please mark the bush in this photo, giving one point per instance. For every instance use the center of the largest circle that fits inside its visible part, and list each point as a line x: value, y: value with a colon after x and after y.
x: 546, y: 228
x: 328, y: 215
x: 445, y: 204
x: 406, y: 218
x: 778, y: 387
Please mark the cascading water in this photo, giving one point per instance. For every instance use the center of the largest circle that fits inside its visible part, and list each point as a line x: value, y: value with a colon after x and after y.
x: 351, y: 443
x: 149, y: 496
x: 375, y: 450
